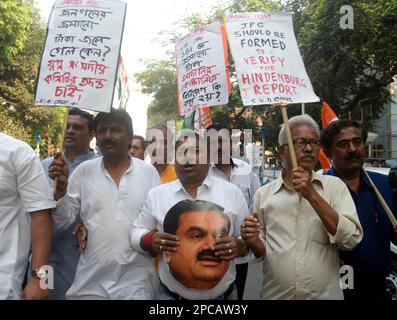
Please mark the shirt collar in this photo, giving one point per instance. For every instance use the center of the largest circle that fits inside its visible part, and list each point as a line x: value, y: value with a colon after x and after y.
x: 233, y: 162
x: 80, y: 158
x: 130, y: 167
x: 177, y: 185
x: 363, y: 178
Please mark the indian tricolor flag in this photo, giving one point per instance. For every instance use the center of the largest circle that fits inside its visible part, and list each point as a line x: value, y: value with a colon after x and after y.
x: 327, y: 116
x: 198, y: 119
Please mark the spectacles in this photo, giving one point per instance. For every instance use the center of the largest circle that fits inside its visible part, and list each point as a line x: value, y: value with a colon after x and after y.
x: 302, y: 143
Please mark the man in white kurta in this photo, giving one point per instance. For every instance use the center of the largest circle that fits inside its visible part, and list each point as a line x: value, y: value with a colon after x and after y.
x: 108, y: 193
x: 25, y: 197
x: 193, y: 183
x: 162, y: 198
x: 239, y: 173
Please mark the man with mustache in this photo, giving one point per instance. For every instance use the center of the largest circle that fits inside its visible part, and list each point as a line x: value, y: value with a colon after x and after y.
x: 344, y: 142
x: 194, y: 183
x: 306, y: 218
x: 138, y: 147
x: 107, y: 193
x: 159, y: 138
x: 65, y: 254
x: 241, y: 175
x: 197, y: 224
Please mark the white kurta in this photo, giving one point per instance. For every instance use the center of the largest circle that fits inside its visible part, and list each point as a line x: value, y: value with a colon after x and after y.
x: 242, y: 177
x: 109, y: 268
x: 23, y: 188
x: 162, y: 198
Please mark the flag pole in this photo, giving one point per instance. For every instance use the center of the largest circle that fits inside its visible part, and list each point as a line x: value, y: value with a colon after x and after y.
x: 65, y: 120
x: 289, y: 136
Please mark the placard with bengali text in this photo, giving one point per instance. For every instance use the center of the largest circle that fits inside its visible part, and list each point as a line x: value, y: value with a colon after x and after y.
x: 81, y: 54
x: 203, y: 79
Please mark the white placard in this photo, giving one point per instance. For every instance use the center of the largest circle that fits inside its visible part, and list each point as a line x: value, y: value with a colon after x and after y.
x: 201, y: 69
x: 80, y: 58
x: 269, y: 66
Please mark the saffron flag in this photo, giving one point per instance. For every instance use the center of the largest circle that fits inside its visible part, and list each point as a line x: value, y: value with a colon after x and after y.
x: 327, y: 116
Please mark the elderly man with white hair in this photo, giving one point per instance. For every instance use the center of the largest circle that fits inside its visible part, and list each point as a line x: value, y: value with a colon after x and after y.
x: 304, y: 219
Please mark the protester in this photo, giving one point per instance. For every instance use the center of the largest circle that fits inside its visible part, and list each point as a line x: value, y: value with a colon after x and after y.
x: 65, y: 245
x: 23, y: 188
x: 375, y: 163
x: 108, y: 193
x: 138, y: 147
x: 194, y: 183
x: 305, y: 219
x: 238, y: 173
x: 344, y: 142
x: 159, y: 138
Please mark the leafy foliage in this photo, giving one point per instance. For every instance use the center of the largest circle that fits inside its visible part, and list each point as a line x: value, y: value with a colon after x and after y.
x: 18, y: 74
x: 16, y: 17
x: 350, y: 69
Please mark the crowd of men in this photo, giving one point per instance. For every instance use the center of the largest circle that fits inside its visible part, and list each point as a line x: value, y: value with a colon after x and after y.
x: 187, y: 225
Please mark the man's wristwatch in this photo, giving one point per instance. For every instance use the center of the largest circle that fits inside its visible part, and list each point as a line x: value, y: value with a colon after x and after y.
x: 40, y: 273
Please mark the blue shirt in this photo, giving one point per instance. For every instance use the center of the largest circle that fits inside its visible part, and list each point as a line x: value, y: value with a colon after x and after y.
x: 370, y: 259
x: 65, y: 246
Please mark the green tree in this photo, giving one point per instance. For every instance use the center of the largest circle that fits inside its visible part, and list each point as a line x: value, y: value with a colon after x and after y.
x: 159, y: 80
x: 160, y: 77
x: 16, y: 18
x: 18, y: 75
x: 349, y: 68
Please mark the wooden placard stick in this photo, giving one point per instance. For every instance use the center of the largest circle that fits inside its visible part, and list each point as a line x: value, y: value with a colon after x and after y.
x: 65, y: 121
x: 60, y: 149
x: 289, y: 136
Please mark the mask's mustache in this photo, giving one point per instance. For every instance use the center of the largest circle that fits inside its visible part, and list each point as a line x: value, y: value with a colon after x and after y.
x: 207, y: 253
x: 353, y: 155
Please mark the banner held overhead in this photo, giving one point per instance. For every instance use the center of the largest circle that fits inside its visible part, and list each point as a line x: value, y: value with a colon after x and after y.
x: 80, y: 58
x: 269, y: 66
x: 201, y: 58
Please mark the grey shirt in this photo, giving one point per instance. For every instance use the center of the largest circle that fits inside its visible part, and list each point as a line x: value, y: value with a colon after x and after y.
x: 65, y: 246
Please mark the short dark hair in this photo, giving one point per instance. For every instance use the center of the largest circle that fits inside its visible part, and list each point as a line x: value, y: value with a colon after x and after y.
x: 334, y: 128
x: 171, y: 220
x: 83, y: 114
x: 116, y: 115
x: 143, y: 142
